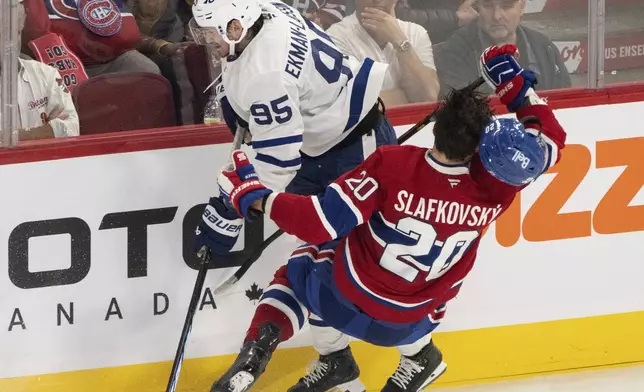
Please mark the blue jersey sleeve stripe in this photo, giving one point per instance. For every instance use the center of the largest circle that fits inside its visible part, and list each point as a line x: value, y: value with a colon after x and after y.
x: 322, y: 215
x: 280, y: 141
x: 348, y: 202
x: 278, y: 162
x: 358, y: 93
x: 340, y: 216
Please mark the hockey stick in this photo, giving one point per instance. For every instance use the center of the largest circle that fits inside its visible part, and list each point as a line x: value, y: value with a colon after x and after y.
x: 258, y: 252
x: 204, y: 255
x: 248, y: 262
x: 424, y: 122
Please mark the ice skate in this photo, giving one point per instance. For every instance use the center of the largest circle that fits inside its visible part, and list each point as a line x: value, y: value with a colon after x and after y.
x: 417, y: 372
x: 337, y: 371
x: 250, y: 362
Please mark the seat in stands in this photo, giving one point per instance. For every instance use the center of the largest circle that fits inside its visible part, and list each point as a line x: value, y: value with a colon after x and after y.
x: 124, y: 102
x: 196, y: 61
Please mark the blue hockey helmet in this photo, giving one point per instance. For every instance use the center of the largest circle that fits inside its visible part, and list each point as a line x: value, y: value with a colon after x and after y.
x: 512, y: 154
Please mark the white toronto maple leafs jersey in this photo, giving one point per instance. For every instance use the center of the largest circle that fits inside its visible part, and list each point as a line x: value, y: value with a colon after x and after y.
x: 297, y: 92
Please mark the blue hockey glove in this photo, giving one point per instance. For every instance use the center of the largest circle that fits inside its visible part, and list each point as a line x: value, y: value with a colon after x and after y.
x: 499, y: 67
x: 219, y: 228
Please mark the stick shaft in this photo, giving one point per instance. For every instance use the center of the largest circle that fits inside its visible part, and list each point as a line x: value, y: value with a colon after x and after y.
x: 424, y: 122
x: 196, y: 292
x: 187, y: 325
x: 239, y: 138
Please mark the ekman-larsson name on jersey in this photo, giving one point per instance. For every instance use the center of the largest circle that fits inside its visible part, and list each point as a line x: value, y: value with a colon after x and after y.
x: 299, y: 42
x: 445, y: 212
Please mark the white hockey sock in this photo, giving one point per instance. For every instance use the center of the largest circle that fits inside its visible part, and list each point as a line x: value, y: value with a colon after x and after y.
x: 327, y: 340
x: 409, y: 350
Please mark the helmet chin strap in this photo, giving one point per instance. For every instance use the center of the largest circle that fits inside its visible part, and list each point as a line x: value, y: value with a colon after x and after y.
x: 232, y: 44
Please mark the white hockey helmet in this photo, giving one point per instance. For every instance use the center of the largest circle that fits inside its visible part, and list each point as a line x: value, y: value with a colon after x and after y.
x: 213, y: 16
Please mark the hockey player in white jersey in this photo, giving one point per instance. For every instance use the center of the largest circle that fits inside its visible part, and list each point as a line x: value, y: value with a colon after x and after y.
x: 305, y: 103
x: 313, y: 114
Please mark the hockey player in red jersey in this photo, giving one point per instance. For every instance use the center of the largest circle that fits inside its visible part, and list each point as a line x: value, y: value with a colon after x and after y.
x: 392, y: 240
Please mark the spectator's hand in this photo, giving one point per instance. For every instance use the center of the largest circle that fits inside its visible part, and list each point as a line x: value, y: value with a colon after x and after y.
x: 466, y: 13
x: 174, y: 48
x: 382, y: 26
x: 499, y: 67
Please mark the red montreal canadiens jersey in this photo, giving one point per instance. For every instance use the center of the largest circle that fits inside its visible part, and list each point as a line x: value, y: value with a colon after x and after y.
x: 411, y: 225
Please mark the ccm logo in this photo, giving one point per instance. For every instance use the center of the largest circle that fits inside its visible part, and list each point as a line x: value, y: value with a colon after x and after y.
x: 543, y: 221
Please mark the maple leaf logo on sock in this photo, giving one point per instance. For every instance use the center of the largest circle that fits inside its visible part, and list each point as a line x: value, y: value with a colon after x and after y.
x: 255, y: 293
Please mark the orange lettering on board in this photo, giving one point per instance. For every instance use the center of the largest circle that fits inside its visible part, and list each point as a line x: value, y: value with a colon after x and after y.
x: 543, y: 222
x: 508, y: 225
x: 613, y: 215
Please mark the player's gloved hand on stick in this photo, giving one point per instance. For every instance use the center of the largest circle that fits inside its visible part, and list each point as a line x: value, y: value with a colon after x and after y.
x: 219, y: 228
x: 499, y: 67
x: 241, y: 185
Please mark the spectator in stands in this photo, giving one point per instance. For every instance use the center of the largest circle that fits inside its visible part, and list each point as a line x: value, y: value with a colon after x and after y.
x: 165, y: 41
x: 162, y: 30
x: 439, y: 17
x: 44, y: 103
x: 324, y: 13
x: 161, y: 47
x: 104, y: 46
x: 499, y: 23
x: 159, y: 18
x: 373, y: 31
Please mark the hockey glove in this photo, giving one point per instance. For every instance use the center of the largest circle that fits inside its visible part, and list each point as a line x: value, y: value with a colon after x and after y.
x: 219, y: 228
x: 246, y: 188
x: 499, y: 67
x: 226, y: 186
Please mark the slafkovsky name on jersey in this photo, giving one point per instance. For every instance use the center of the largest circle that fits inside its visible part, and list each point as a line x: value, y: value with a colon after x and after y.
x: 445, y: 212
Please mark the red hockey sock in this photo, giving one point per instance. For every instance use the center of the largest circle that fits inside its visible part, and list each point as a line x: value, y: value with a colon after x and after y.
x: 278, y: 306
x: 269, y: 314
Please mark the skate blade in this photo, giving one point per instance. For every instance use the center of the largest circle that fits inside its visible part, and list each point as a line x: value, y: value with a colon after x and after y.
x: 434, y: 376
x: 351, y: 386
